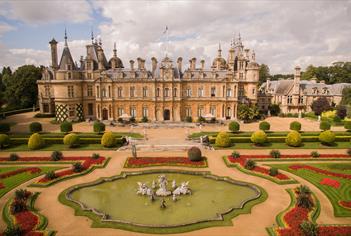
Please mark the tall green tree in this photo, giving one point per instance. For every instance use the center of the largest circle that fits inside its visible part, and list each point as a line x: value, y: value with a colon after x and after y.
x: 21, y: 88
x: 346, y: 96
x: 263, y: 73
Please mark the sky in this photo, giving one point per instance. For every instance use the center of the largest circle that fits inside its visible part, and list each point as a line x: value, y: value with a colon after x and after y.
x: 283, y: 34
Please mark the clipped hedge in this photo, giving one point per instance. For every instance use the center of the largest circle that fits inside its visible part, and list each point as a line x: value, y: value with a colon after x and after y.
x: 223, y: 140
x: 259, y: 137
x: 295, y: 125
x: 234, y: 126
x: 35, y: 127
x: 194, y: 154
x: 324, y: 125
x: 66, y: 127
x: 108, y: 139
x: 347, y: 125
x: 99, y: 127
x: 71, y: 140
x: 264, y: 125
x: 327, y: 137
x: 35, y: 141
x: 4, y: 141
x: 293, y: 139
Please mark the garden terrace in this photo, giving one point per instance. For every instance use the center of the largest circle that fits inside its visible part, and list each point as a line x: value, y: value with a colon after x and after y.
x: 289, y: 220
x: 140, y: 162
x: 29, y: 220
x: 333, y: 179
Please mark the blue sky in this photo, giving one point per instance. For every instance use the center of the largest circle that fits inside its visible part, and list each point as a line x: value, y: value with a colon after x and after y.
x: 283, y: 34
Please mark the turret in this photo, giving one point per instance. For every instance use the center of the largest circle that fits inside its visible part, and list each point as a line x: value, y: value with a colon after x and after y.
x: 100, y: 56
x: 53, y: 46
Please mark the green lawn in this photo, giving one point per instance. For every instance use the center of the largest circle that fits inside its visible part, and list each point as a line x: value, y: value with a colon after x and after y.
x: 306, y: 145
x: 58, y: 147
x: 334, y: 194
x: 15, y: 180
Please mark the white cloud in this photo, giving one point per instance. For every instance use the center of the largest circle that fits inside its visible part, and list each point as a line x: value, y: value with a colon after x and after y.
x: 36, y: 12
x: 4, y: 27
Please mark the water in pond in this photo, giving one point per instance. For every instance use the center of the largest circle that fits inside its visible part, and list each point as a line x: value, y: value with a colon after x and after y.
x: 119, y: 199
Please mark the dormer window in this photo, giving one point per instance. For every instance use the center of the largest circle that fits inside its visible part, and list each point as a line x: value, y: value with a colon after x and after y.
x: 289, y: 99
x: 315, y: 91
x: 325, y: 91
x: 69, y: 67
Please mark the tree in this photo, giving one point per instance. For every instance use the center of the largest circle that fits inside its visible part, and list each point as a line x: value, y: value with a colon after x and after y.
x: 274, y: 109
x: 346, y: 96
x: 320, y: 105
x: 263, y: 73
x: 21, y: 88
x: 248, y: 113
x: 341, y: 111
x: 309, y: 73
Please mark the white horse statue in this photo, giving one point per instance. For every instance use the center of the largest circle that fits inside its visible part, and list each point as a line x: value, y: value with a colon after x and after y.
x: 182, y: 189
x: 144, y: 189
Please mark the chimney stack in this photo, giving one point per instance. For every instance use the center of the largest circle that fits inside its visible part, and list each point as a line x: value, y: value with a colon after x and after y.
x: 179, y: 63
x: 100, y: 59
x: 202, y: 64
x: 153, y: 65
x: 131, y: 64
x: 193, y: 63
x: 53, y: 45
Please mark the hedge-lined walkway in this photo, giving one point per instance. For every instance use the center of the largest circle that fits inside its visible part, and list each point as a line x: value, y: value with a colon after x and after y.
x: 62, y: 219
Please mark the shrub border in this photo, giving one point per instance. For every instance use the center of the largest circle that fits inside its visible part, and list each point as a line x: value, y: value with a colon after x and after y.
x: 96, y: 220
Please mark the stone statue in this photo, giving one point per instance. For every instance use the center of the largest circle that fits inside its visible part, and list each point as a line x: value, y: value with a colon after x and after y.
x: 153, y: 185
x: 144, y: 189
x: 182, y: 189
x: 163, y: 203
x: 174, y: 184
x: 174, y: 198
x: 162, y: 183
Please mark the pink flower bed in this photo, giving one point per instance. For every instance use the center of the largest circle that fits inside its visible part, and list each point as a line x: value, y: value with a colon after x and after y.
x: 346, y: 204
x: 242, y: 160
x: 330, y: 182
x: 31, y: 170
x: 152, y: 161
x: 320, y: 171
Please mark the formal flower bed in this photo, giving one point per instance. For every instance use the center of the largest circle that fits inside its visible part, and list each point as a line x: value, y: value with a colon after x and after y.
x: 346, y: 204
x: 295, y: 215
x: 297, y: 156
x: 163, y: 161
x: 87, y: 165
x: 258, y: 169
x: 320, y: 171
x: 31, y: 170
x: 330, y: 182
x: 30, y: 222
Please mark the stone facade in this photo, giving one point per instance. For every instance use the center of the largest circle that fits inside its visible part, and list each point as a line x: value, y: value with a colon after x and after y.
x: 296, y: 95
x: 104, y: 89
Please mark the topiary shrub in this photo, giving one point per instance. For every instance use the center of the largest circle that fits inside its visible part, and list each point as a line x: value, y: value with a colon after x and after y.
x: 223, y: 140
x: 273, y: 171
x: 189, y: 119
x: 56, y: 155
x: 50, y: 175
x: 71, y: 140
x: 235, y: 154
x: 108, y: 139
x: 77, y: 167
x: 99, y: 127
x: 324, y: 125
x: 35, y: 141
x: 194, y: 154
x: 250, y: 164
x: 315, y: 154
x: 13, y: 157
x: 66, y: 127
x: 5, y: 128
x: 95, y: 156
x: 259, y: 137
x: 234, y: 126
x: 309, y: 228
x: 35, y: 127
x: 327, y: 137
x: 4, y: 141
x: 347, y: 125
x: 275, y: 153
x: 295, y: 125
x: 293, y: 139
x: 264, y: 125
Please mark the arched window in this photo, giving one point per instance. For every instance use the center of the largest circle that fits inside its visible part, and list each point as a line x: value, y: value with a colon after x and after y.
x: 166, y: 92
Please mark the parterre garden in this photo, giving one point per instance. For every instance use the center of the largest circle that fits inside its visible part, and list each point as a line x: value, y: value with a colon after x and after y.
x: 331, y: 173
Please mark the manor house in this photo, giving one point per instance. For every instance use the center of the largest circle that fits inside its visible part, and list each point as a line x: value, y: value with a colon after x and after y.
x: 107, y: 89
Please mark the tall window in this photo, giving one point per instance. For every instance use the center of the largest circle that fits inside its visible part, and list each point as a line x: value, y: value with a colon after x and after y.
x: 166, y: 92
x: 175, y: 92
x: 69, y: 75
x: 90, y: 90
x: 70, y: 91
x: 133, y: 112
x: 47, y: 90
x: 201, y: 92
x: 188, y: 111
x: 301, y: 100
x: 241, y: 91
x: 98, y: 92
x: 241, y: 65
x: 188, y: 92
x: 103, y: 92
x: 120, y: 111
x: 132, y: 92
x: 90, y: 109
x: 200, y: 111
x: 109, y: 91
x: 289, y: 99
x: 213, y: 92
x: 145, y: 112
x: 253, y: 91
x: 229, y: 92
x: 119, y: 92
x: 145, y: 92
x: 157, y: 92
x: 241, y: 76
x: 213, y: 110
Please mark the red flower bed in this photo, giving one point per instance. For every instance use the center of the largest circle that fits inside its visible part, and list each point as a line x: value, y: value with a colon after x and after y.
x: 2, y: 185
x: 31, y: 170
x: 242, y: 160
x: 27, y: 220
x: 334, y: 230
x: 330, y: 182
x: 346, y: 204
x: 150, y: 161
x: 320, y: 171
x: 87, y: 163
